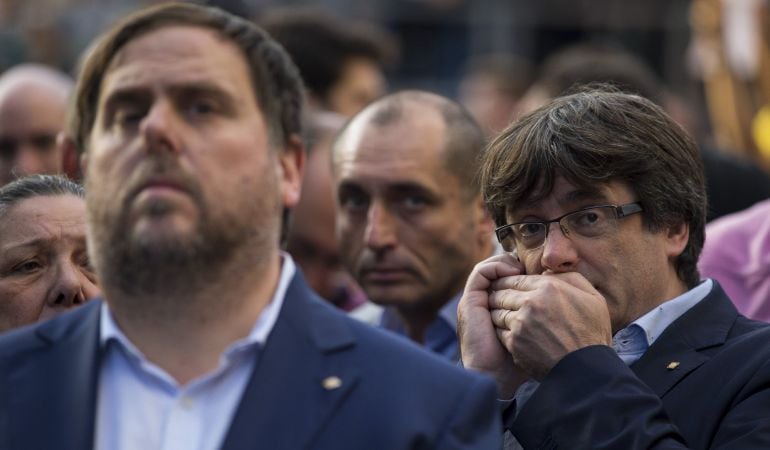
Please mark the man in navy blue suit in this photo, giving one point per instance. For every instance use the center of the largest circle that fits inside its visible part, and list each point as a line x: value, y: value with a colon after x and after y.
x: 603, y: 333
x: 208, y: 337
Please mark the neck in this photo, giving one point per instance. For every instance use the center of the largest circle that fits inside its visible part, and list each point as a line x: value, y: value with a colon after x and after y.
x: 417, y: 320
x: 186, y: 334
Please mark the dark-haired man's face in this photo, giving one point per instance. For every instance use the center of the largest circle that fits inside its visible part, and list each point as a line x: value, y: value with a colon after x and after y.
x: 180, y: 171
x: 631, y: 266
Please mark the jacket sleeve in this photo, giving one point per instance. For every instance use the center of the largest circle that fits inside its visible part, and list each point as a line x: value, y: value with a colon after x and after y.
x: 592, y: 400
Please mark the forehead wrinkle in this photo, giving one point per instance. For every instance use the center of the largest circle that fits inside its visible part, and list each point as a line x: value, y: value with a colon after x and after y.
x: 176, y: 65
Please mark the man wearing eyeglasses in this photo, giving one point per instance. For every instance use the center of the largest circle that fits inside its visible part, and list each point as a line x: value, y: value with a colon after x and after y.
x: 595, y: 323
x: 33, y: 101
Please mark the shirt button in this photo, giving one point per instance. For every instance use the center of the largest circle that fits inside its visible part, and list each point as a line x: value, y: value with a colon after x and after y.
x: 186, y: 402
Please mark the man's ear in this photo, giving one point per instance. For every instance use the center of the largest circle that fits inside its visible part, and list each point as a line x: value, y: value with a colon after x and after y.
x: 292, y: 163
x: 485, y: 226
x: 677, y: 237
x: 71, y: 159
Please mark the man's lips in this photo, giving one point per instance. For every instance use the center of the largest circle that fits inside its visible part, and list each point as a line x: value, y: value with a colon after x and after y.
x: 159, y: 187
x: 385, y: 275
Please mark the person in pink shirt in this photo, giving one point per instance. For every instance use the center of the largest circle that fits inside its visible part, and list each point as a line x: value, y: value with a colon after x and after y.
x: 737, y: 254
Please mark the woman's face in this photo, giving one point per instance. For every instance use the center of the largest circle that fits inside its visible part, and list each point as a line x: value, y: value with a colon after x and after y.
x: 44, y: 268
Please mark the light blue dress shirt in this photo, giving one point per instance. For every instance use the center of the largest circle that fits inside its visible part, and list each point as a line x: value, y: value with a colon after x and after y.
x: 140, y: 406
x: 440, y: 336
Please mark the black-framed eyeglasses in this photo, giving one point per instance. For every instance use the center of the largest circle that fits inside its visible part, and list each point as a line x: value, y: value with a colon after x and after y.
x: 591, y: 221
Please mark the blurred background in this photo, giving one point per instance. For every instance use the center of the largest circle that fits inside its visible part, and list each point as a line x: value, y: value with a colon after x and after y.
x: 710, y: 55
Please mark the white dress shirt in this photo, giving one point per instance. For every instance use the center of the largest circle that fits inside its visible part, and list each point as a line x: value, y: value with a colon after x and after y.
x: 140, y: 406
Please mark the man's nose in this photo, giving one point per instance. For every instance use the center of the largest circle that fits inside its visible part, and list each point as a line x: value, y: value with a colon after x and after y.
x: 380, y: 227
x: 71, y: 287
x: 559, y: 252
x: 160, y: 127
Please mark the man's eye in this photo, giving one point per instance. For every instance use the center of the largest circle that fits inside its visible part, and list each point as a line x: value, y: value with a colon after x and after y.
x: 414, y: 202
x: 586, y: 219
x: 201, y: 107
x: 353, y: 202
x: 26, y: 268
x: 127, y: 117
x: 529, y: 229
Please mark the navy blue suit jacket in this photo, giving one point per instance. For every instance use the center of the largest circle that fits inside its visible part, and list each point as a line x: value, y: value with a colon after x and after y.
x: 704, y: 383
x: 393, y: 395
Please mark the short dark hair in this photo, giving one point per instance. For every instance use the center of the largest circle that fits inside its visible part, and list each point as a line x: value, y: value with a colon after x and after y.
x: 463, y: 138
x: 276, y: 81
x: 572, y: 67
x: 600, y: 136
x: 36, y: 186
x: 320, y: 44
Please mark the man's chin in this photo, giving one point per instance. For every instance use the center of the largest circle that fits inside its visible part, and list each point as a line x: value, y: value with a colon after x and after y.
x: 161, y: 229
x: 391, y: 295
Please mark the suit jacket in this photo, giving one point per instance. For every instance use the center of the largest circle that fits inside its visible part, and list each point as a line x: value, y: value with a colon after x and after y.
x: 393, y: 395
x: 704, y: 383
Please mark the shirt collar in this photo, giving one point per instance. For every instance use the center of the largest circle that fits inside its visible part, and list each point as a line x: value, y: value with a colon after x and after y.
x: 655, y: 322
x: 390, y: 320
x: 109, y: 329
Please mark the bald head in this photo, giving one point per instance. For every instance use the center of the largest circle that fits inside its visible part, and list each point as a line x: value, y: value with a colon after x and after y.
x: 462, y: 138
x: 33, y: 103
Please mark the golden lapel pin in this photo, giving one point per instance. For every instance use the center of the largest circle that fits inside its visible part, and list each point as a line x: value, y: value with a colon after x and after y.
x: 331, y: 383
x: 672, y: 365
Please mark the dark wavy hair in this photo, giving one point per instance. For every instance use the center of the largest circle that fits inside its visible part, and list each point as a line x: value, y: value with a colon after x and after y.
x: 598, y: 136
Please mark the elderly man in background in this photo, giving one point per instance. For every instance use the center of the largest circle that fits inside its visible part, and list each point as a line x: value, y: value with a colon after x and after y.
x: 33, y: 103
x: 44, y: 266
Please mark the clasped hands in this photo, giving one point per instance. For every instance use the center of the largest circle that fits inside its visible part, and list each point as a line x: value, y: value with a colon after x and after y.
x: 517, y: 327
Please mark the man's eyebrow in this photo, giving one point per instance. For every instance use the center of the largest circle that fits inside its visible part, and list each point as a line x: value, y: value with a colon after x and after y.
x: 578, y: 195
x: 126, y: 95
x: 584, y: 195
x: 199, y: 88
x: 407, y: 187
x: 42, y: 242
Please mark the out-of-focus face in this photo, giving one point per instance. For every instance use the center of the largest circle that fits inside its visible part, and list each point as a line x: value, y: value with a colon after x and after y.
x: 30, y: 119
x: 179, y: 162
x: 361, y: 83
x: 312, y: 241
x: 44, y: 267
x: 630, y: 266
x: 408, y: 232
x: 492, y: 108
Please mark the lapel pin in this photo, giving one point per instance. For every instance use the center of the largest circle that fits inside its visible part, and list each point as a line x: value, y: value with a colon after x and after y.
x: 672, y: 365
x: 331, y: 383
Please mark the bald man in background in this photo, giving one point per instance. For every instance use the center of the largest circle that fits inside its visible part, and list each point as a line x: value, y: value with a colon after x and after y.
x: 33, y: 103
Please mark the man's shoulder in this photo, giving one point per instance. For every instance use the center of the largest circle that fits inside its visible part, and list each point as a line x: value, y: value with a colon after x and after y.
x: 41, y: 335
x: 379, y: 349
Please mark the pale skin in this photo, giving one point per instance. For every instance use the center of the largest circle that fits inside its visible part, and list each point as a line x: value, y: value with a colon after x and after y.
x: 197, y: 104
x: 575, y: 294
x: 44, y: 268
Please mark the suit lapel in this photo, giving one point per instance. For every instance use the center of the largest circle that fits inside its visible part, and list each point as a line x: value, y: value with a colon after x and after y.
x: 66, y: 386
x: 301, y: 376
x: 679, y: 350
